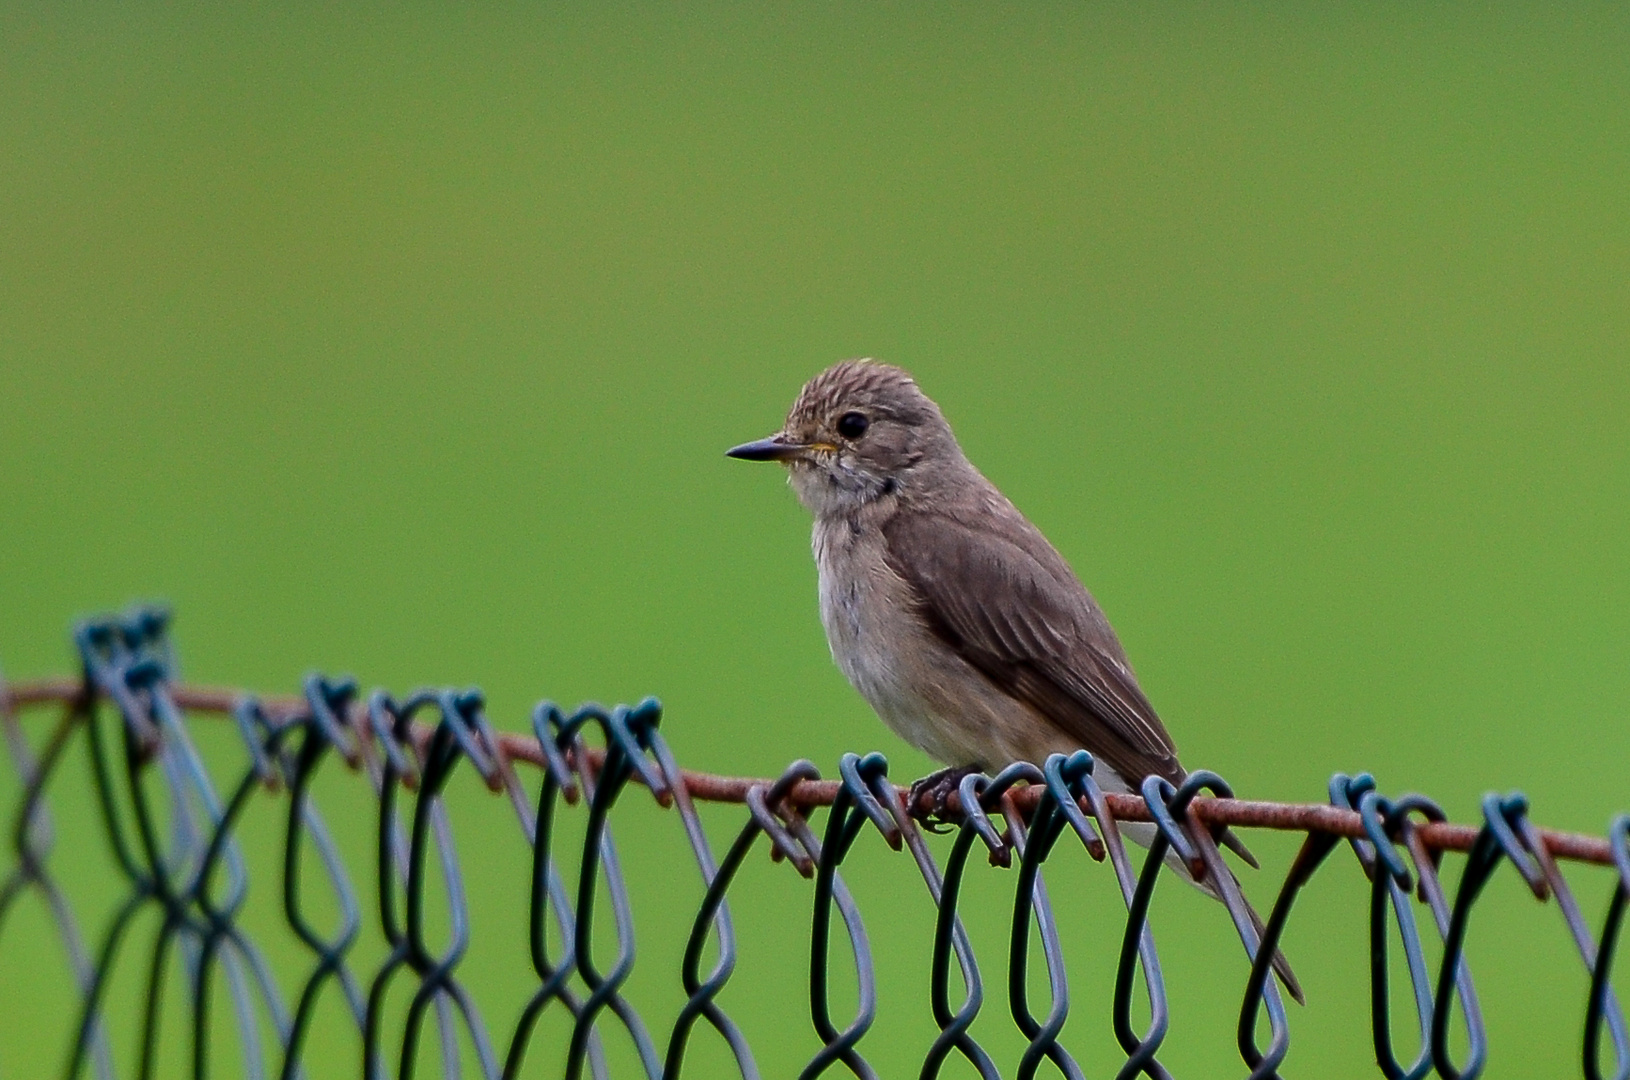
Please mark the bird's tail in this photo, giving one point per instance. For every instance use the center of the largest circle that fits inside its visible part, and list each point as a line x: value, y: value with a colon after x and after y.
x: 1208, y: 885
x: 1281, y: 966
x: 1142, y: 833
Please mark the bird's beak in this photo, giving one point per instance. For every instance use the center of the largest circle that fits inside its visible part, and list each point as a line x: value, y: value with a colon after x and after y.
x: 775, y: 448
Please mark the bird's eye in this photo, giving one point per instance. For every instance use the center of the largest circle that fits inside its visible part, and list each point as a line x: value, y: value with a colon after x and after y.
x: 852, y: 425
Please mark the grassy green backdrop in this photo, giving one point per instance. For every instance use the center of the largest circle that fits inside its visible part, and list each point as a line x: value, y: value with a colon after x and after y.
x: 407, y: 342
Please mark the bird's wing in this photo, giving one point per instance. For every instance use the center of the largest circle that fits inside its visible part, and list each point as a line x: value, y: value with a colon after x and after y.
x: 992, y: 587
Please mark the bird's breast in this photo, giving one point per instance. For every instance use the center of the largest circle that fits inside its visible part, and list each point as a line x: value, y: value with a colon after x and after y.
x: 879, y: 641
x: 863, y: 605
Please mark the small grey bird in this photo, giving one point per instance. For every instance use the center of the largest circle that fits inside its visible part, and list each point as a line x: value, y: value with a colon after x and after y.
x: 945, y: 607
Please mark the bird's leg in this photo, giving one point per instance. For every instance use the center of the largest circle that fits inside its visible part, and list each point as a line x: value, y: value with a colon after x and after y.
x: 936, y: 788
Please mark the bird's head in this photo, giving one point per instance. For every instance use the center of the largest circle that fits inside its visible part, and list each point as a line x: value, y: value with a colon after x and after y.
x: 860, y: 431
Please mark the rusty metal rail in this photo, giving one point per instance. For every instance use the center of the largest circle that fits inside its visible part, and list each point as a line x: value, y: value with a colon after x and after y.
x: 809, y: 794
x: 178, y: 854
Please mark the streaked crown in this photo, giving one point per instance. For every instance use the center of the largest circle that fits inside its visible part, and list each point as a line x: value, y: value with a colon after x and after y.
x: 881, y: 390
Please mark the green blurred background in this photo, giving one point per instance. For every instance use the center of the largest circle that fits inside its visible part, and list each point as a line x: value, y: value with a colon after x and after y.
x: 407, y: 342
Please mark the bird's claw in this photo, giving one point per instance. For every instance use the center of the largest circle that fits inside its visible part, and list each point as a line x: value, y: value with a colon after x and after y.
x: 936, y: 789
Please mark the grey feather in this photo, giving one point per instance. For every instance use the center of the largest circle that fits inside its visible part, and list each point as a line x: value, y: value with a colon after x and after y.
x: 992, y: 586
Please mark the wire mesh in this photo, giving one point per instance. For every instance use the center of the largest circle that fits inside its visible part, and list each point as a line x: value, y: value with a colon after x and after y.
x: 174, y: 839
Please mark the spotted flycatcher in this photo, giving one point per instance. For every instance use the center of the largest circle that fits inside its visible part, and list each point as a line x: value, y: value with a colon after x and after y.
x: 944, y: 606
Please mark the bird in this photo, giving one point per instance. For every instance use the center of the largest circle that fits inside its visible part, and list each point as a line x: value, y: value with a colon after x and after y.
x: 950, y: 612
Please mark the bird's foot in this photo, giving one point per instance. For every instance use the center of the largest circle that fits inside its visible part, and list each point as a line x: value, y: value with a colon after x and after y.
x: 931, y: 795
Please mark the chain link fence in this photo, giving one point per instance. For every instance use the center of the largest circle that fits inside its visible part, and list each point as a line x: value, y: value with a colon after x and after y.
x: 173, y: 835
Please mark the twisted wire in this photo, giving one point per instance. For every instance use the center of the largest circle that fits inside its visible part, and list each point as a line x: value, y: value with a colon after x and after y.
x: 171, y: 831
